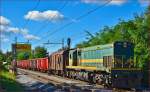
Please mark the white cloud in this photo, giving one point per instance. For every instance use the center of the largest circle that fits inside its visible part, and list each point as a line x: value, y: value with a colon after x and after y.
x: 112, y: 2
x: 144, y: 2
x: 5, y: 28
x: 23, y: 32
x: 4, y: 21
x: 2, y: 36
x: 31, y: 37
x: 94, y: 1
x: 5, y: 40
x: 46, y: 15
x: 14, y: 30
x: 118, y: 2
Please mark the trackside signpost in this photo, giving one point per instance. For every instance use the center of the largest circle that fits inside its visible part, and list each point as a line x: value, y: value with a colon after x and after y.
x: 18, y: 48
x: 21, y: 47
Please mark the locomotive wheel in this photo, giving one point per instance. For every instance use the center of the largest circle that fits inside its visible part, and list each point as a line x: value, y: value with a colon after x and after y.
x: 100, y: 79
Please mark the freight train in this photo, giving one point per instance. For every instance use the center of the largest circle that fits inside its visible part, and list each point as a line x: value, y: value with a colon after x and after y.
x: 108, y: 65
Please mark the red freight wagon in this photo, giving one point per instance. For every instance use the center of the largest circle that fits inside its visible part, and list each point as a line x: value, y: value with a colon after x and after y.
x: 38, y: 64
x: 30, y: 64
x: 43, y: 64
x: 22, y: 64
x: 26, y: 64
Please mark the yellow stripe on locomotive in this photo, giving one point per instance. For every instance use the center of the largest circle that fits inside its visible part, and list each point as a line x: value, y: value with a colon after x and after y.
x: 103, y: 57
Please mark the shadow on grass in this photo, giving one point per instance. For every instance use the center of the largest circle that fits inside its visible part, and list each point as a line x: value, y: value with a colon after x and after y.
x: 8, y: 83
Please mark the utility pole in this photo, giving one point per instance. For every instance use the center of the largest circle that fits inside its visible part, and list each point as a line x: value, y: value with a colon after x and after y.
x: 69, y: 43
x: 28, y: 41
x: 14, y: 47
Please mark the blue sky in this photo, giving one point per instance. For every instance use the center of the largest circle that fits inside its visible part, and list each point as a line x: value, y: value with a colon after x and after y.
x: 41, y: 20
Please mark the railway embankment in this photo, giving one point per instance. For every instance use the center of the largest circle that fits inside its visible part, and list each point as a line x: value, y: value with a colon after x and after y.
x: 8, y: 81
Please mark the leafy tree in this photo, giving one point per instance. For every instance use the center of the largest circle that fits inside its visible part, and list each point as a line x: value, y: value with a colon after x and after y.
x: 9, y: 57
x: 23, y: 55
x: 31, y: 55
x: 136, y: 31
x: 2, y: 57
x: 40, y: 52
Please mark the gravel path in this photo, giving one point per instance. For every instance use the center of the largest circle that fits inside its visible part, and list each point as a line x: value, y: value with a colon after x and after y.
x: 32, y: 85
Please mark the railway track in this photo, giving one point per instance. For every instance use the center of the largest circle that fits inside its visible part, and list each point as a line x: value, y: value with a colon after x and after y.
x: 69, y: 85
x: 66, y: 84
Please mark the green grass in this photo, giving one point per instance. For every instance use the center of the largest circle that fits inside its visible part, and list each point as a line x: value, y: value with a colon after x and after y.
x: 8, y: 83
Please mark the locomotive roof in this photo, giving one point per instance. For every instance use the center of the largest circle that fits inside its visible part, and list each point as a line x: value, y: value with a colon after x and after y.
x: 98, y: 47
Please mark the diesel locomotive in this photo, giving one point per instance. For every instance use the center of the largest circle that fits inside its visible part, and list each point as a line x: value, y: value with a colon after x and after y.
x: 109, y: 65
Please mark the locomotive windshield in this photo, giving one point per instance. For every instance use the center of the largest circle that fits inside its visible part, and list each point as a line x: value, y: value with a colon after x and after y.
x: 123, y: 54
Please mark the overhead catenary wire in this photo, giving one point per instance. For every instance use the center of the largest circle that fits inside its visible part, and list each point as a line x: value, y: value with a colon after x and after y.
x: 78, y: 18
x: 75, y: 36
x: 34, y: 8
x: 28, y: 20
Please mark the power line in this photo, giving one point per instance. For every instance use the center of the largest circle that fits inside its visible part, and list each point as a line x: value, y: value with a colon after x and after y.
x: 78, y: 18
x: 47, y: 21
x: 74, y: 36
x: 28, y: 20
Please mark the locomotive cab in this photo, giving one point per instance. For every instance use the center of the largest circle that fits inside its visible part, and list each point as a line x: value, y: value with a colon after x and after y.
x: 73, y: 58
x: 124, y: 74
x: 123, y: 55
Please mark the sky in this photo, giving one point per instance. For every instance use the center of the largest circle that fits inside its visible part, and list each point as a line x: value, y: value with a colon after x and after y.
x: 41, y: 20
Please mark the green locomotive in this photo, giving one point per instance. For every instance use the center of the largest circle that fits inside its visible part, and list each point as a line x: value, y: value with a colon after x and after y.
x: 96, y: 63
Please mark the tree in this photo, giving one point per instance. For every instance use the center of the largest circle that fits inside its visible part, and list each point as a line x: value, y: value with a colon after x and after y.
x: 23, y: 55
x: 136, y: 31
x: 40, y: 52
x: 9, y: 57
x: 2, y: 57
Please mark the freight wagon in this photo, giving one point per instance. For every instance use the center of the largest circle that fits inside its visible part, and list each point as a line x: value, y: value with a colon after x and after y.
x: 102, y: 64
x: 58, y: 61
